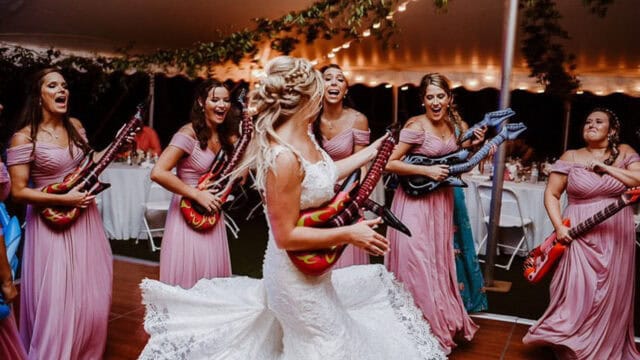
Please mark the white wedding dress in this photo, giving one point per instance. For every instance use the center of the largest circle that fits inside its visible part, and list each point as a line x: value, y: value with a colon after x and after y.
x: 359, y: 312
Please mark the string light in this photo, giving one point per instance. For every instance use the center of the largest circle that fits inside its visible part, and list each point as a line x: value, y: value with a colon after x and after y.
x: 388, y: 86
x: 402, y: 7
x: 404, y: 88
x: 376, y: 25
x: 366, y: 33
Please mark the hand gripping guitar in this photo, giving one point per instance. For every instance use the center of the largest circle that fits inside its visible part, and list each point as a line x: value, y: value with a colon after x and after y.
x: 543, y: 259
x: 61, y: 217
x: 343, y: 209
x: 416, y: 185
x: 216, y: 180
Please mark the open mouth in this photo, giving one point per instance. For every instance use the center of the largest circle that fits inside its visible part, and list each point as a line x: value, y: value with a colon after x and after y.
x: 60, y: 99
x: 220, y: 112
x: 333, y: 92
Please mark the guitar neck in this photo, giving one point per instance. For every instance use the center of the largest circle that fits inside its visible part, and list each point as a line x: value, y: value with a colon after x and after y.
x: 375, y: 171
x: 597, y: 218
x: 114, y: 148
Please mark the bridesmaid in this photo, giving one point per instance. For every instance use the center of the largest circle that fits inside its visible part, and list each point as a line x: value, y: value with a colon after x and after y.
x: 188, y: 255
x: 10, y: 344
x: 425, y: 262
x: 66, y: 274
x: 341, y: 132
x: 590, y: 313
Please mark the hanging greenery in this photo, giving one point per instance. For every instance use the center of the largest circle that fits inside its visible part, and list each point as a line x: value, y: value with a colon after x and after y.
x: 543, y: 44
x: 325, y: 19
x: 543, y: 47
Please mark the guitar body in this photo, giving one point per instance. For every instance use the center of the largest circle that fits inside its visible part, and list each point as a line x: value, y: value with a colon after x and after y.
x: 196, y: 216
x: 61, y: 217
x: 343, y: 209
x: 216, y: 179
x: 543, y: 259
x: 317, y: 262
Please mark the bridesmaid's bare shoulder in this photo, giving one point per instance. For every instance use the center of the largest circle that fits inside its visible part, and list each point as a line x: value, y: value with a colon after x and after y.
x: 188, y: 130
x: 414, y: 123
x: 21, y: 137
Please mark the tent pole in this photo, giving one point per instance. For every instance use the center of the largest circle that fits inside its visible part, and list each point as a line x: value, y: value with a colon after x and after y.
x: 508, y: 43
x: 394, y: 95
x: 152, y: 93
x: 567, y: 121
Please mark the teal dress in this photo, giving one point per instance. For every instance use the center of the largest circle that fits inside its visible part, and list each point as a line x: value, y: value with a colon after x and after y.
x: 470, y: 280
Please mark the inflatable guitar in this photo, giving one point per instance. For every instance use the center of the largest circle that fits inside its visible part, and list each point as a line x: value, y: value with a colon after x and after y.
x: 12, y: 234
x: 543, y: 258
x: 343, y: 209
x: 61, y: 217
x: 216, y: 180
x: 491, y: 119
x: 416, y: 185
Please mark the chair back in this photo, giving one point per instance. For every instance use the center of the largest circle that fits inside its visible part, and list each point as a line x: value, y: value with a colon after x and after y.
x: 510, y: 209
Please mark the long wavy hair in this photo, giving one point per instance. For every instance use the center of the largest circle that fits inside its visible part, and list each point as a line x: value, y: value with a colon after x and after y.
x: 613, y: 137
x: 346, y: 103
x: 454, y: 120
x: 32, y: 114
x: 291, y: 91
x: 199, y: 121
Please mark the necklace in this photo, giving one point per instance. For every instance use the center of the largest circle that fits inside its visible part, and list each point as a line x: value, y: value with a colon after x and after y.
x: 50, y: 132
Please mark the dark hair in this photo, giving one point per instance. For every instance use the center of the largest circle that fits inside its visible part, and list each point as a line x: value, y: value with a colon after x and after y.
x: 454, y: 119
x: 199, y: 122
x: 31, y: 114
x: 346, y: 102
x: 613, y: 137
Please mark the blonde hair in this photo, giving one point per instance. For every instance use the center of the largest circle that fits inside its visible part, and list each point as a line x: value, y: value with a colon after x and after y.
x: 291, y: 91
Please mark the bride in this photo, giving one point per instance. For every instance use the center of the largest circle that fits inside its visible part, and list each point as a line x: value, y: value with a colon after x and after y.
x: 358, y: 312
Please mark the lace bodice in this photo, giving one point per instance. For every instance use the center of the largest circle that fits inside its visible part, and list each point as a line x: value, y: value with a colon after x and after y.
x: 318, y: 181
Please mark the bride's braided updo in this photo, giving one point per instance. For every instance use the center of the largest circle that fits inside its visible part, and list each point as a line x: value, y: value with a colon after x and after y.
x: 291, y: 91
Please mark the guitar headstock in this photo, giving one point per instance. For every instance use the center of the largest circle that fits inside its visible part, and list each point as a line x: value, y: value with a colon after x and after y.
x: 241, y: 99
x: 632, y: 195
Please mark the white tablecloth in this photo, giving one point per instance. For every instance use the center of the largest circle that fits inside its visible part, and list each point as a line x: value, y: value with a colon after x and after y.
x: 531, y: 197
x: 121, y: 204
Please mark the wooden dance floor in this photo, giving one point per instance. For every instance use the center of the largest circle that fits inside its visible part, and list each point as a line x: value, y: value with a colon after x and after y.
x: 494, y: 340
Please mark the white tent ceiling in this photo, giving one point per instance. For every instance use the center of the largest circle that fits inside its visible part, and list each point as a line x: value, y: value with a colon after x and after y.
x: 464, y: 42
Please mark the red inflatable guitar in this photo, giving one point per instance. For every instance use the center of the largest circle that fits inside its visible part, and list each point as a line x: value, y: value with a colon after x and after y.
x: 61, y: 217
x: 543, y: 258
x: 343, y: 209
x: 216, y: 180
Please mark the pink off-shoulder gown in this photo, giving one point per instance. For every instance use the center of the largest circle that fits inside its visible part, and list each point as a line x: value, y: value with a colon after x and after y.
x: 425, y: 262
x: 188, y: 255
x: 66, y: 275
x: 340, y: 147
x: 10, y: 344
x: 590, y: 313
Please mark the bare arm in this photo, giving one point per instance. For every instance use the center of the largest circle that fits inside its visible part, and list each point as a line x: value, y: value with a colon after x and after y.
x: 22, y: 193
x: 397, y: 166
x: 630, y: 176
x: 347, y: 165
x: 282, y: 198
x: 555, y: 187
x: 7, y: 287
x: 162, y: 174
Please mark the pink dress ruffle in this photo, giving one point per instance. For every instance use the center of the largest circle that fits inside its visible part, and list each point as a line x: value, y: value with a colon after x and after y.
x: 66, y: 275
x: 590, y: 313
x: 425, y: 262
x: 188, y: 255
x: 340, y: 147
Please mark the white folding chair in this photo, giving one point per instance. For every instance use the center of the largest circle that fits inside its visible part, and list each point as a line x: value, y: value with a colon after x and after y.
x: 154, y: 213
x: 510, y: 217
